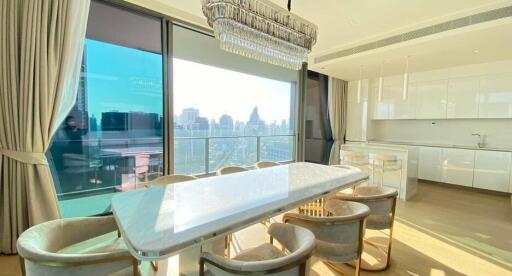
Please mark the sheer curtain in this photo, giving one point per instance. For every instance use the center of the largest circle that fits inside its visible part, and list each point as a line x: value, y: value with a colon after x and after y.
x: 337, y: 101
x: 41, y: 44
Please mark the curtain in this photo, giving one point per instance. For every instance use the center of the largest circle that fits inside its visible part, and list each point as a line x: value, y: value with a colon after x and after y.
x: 41, y: 44
x: 337, y: 101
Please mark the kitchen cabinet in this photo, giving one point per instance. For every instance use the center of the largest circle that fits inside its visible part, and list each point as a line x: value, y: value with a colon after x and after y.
x: 393, y: 95
x: 457, y: 166
x: 430, y: 163
x: 492, y: 170
x: 356, y: 111
x: 462, y: 98
x: 495, y: 96
x: 430, y: 99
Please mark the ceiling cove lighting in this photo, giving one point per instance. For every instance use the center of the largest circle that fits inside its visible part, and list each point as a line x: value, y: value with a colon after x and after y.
x: 406, y: 80
x: 261, y: 30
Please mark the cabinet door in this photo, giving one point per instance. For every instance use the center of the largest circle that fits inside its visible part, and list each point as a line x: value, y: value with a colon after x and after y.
x: 399, y: 108
x: 430, y: 99
x: 495, y: 97
x: 354, y: 113
x: 457, y: 166
x: 492, y: 170
x: 430, y: 164
x: 462, y: 98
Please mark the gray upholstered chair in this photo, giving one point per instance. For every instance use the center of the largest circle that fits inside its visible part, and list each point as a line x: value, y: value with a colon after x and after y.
x: 382, y: 204
x: 266, y: 259
x: 77, y: 246
x: 266, y: 164
x: 339, y: 237
x: 231, y: 169
x: 171, y: 179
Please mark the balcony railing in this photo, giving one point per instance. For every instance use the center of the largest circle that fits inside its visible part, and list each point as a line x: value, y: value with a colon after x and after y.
x: 220, y: 151
x: 113, y: 163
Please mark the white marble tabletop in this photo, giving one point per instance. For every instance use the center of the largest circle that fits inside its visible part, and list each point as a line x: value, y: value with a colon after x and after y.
x: 161, y: 221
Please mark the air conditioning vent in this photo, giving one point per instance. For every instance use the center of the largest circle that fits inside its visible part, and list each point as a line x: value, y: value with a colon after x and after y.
x: 434, y: 29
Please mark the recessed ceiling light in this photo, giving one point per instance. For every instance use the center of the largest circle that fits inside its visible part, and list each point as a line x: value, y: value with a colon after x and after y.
x: 476, y: 51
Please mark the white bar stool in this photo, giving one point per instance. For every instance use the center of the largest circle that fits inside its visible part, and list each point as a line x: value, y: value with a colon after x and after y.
x: 382, y: 163
x: 353, y: 158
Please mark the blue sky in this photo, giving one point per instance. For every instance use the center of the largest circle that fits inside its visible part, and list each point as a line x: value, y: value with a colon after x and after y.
x: 125, y: 79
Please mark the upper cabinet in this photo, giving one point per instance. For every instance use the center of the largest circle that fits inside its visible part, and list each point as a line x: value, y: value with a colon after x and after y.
x: 357, y: 106
x: 462, y: 98
x: 430, y: 99
x: 495, y: 99
x: 466, y: 92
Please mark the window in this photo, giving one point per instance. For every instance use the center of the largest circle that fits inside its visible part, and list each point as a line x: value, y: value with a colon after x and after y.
x: 112, y: 138
x: 229, y: 110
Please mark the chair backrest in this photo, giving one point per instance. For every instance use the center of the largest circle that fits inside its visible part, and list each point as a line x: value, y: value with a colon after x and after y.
x: 338, y: 237
x: 353, y: 157
x: 231, y: 169
x: 171, y: 179
x: 380, y: 200
x: 347, y: 167
x: 266, y: 164
x: 299, y: 241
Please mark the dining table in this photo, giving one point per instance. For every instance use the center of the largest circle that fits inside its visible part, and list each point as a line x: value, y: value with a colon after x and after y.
x: 189, y: 217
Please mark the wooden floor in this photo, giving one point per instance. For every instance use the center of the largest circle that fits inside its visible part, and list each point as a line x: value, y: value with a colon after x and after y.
x: 443, y: 230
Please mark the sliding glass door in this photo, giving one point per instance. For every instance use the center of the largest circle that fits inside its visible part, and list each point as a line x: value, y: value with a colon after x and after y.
x: 228, y: 110
x: 133, y: 123
x: 112, y: 139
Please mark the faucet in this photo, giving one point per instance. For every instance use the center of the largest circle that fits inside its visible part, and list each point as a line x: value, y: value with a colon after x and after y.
x: 480, y: 142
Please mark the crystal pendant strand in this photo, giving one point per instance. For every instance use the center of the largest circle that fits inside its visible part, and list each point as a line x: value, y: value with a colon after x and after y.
x: 261, y: 30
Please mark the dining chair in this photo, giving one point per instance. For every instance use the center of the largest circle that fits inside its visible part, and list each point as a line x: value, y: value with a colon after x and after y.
x: 382, y: 204
x: 171, y: 179
x: 75, y: 246
x: 339, y: 236
x: 267, y: 259
x: 266, y: 164
x: 230, y: 170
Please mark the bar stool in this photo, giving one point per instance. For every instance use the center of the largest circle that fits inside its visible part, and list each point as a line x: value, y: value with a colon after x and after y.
x: 385, y: 164
x: 354, y: 158
x: 171, y: 179
x: 230, y: 170
x: 339, y: 237
x: 382, y: 204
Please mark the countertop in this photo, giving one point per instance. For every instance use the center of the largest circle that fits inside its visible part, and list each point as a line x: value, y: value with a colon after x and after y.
x: 421, y: 144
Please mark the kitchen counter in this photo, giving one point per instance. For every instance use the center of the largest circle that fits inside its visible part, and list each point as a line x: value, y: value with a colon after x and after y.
x: 421, y: 144
x: 404, y: 180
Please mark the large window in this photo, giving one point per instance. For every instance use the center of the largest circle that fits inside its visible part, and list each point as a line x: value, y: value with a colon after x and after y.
x: 228, y: 110
x: 112, y: 139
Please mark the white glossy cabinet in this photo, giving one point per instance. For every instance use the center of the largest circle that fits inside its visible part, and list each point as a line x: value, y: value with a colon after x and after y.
x: 457, y: 166
x: 430, y: 99
x: 495, y: 97
x: 357, y: 111
x: 462, y: 98
x: 393, y: 94
x: 492, y: 170
x: 430, y: 163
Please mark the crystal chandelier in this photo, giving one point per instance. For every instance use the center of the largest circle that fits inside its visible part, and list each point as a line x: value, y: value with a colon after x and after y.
x: 261, y: 30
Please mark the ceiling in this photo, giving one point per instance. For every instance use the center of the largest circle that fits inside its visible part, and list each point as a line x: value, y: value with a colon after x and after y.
x: 348, y: 23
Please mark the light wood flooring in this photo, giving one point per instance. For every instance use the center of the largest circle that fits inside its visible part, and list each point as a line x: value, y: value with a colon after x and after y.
x: 443, y: 230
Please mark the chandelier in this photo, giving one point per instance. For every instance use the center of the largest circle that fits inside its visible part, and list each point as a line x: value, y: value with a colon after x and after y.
x: 261, y: 30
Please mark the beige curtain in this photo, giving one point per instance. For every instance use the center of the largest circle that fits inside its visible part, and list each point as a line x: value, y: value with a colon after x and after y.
x: 337, y: 101
x: 41, y: 44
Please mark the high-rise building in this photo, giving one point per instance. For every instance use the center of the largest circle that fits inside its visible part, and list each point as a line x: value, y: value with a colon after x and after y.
x: 226, y: 122
x: 188, y: 117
